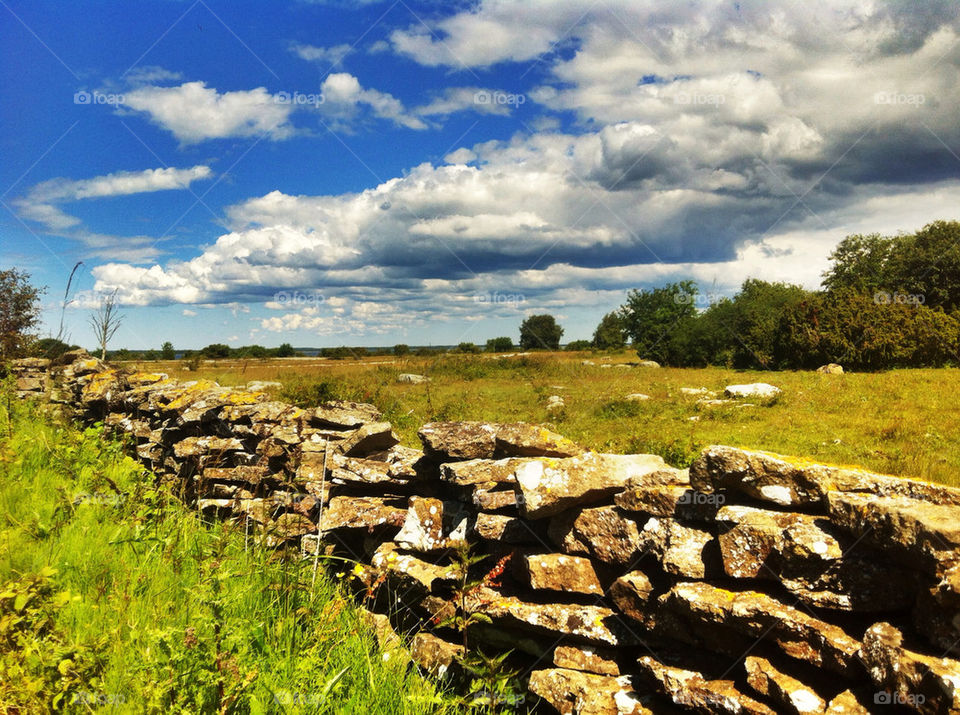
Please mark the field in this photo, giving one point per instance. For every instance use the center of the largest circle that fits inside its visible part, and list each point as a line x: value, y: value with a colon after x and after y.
x: 900, y: 422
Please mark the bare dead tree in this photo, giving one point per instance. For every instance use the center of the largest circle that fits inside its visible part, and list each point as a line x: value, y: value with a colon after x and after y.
x: 105, y: 321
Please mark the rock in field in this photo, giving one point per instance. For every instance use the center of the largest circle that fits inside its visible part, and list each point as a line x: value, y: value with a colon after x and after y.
x: 830, y: 369
x: 408, y: 378
x: 756, y: 390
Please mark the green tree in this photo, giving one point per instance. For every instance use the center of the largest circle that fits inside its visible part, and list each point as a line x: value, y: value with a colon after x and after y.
x: 467, y: 348
x: 215, y: 351
x: 167, y: 352
x: 653, y: 317
x: 50, y: 348
x: 401, y: 349
x: 285, y: 350
x: 861, y: 263
x: 578, y: 345
x: 927, y: 264
x: 851, y: 328
x: 499, y: 345
x: 757, y: 311
x: 19, y: 312
x: 611, y: 333
x: 540, y: 332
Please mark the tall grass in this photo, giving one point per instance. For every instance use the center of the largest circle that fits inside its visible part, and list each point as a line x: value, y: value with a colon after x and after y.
x: 113, y: 595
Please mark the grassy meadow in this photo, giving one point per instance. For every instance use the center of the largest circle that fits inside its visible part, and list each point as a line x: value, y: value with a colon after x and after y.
x: 115, y: 598
x: 901, y: 422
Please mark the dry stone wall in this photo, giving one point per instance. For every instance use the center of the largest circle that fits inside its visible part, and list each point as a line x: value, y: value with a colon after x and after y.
x: 750, y: 583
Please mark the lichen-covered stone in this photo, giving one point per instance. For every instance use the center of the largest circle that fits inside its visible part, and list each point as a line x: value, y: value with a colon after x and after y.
x: 926, y: 683
x: 592, y: 624
x: 587, y: 659
x: 789, y: 481
x: 753, y: 614
x: 691, y: 690
x: 560, y: 572
x: 790, y: 694
x: 918, y: 533
x: 682, y: 550
x: 631, y: 594
x: 572, y: 692
x: 459, y: 441
x: 368, y: 438
x: 369, y: 513
x: 436, y: 656
x: 341, y: 415
x: 505, y: 529
x: 432, y: 524
x: 550, y: 486
x: 605, y: 533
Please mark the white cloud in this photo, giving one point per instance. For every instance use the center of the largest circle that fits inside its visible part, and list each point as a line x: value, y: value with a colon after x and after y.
x: 193, y: 112
x: 42, y: 205
x: 473, y: 99
x: 189, y: 313
x: 329, y: 55
x: 343, y: 96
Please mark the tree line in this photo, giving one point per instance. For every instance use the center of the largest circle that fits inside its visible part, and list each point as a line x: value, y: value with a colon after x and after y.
x: 885, y: 302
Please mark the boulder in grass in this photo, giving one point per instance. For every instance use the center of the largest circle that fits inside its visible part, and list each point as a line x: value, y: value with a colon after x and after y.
x: 755, y: 390
x: 830, y: 369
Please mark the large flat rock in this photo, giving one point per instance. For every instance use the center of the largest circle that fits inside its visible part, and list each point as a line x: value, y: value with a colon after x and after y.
x: 790, y: 481
x: 757, y: 615
x: 550, y: 486
x: 917, y: 533
x: 458, y: 441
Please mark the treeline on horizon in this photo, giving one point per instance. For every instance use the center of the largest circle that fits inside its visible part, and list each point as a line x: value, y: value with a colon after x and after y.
x: 885, y: 302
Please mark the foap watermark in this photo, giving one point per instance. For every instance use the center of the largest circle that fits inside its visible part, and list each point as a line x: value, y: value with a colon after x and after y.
x: 302, y: 99
x: 693, y: 497
x: 497, y: 298
x: 290, y: 697
x: 498, y: 98
x: 699, y: 300
x: 97, y: 699
x: 899, y: 98
x: 96, y: 97
x: 699, y: 99
x: 489, y: 698
x: 882, y: 297
x: 99, y: 498
x: 885, y: 697
x: 298, y: 298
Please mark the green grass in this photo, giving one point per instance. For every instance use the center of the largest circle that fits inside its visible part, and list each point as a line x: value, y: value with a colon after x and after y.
x: 114, y: 596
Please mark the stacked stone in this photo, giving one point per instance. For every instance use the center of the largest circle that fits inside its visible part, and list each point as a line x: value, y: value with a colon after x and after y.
x: 752, y: 583
x: 30, y: 376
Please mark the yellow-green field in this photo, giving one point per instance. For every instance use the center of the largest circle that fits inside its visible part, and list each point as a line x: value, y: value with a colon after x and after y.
x: 902, y: 422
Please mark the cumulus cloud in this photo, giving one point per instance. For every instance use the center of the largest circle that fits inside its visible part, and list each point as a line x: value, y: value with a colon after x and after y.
x: 344, y: 97
x: 193, y: 112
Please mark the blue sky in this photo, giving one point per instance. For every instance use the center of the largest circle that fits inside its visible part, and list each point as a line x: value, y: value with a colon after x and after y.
x: 328, y: 173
